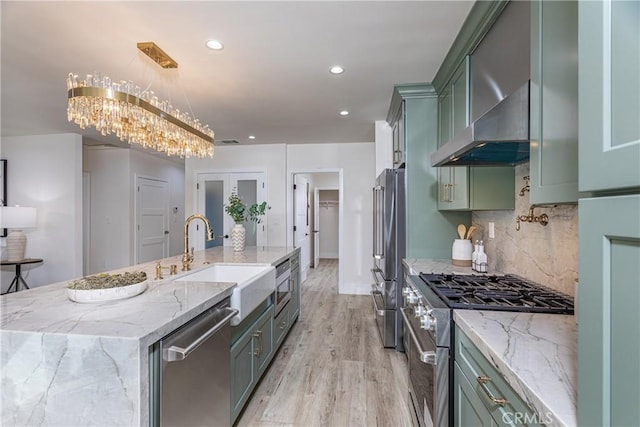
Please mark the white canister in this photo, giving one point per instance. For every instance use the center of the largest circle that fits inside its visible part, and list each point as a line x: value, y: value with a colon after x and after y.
x: 461, y: 252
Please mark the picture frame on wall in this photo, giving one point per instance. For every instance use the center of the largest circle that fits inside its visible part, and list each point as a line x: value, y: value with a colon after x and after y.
x: 3, y: 189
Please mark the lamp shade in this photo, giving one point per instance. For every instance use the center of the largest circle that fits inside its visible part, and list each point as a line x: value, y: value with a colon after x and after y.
x: 18, y: 217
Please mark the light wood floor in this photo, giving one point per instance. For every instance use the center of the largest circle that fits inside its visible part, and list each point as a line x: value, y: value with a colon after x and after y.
x: 331, y: 370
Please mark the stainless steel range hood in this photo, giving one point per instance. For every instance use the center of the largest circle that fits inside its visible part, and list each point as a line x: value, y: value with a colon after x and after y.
x: 499, y: 137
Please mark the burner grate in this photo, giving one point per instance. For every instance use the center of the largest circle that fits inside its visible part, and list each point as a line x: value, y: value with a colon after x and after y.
x: 500, y: 293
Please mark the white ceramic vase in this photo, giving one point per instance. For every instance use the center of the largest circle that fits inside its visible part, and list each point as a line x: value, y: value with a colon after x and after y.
x: 238, y: 234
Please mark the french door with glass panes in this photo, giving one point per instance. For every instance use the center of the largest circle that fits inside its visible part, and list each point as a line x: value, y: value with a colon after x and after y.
x: 213, y: 191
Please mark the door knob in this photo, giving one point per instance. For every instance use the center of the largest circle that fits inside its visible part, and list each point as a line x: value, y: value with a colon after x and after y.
x: 166, y: 231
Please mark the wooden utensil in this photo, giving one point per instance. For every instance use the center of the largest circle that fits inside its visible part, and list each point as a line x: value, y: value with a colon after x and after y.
x: 461, y: 230
x: 470, y: 231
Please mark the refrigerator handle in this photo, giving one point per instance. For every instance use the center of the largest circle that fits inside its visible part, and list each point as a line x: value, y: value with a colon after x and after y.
x: 378, y: 247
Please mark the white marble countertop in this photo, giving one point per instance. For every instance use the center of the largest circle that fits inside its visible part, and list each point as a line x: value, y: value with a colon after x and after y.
x: 165, y: 305
x: 65, y: 363
x: 536, y: 354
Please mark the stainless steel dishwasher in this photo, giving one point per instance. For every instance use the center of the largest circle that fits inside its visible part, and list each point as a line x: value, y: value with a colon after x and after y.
x: 193, y: 372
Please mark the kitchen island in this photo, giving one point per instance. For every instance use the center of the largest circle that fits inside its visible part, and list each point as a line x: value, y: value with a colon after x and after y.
x: 536, y: 354
x: 64, y: 363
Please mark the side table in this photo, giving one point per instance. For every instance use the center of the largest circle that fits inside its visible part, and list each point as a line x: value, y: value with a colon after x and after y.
x: 18, y: 278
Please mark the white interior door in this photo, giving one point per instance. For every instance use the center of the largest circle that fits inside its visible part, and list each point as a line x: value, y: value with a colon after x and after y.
x: 214, y: 190
x: 316, y: 227
x: 152, y: 219
x: 301, y: 230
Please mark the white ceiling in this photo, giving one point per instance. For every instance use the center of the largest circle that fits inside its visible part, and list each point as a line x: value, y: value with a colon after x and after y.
x: 271, y: 80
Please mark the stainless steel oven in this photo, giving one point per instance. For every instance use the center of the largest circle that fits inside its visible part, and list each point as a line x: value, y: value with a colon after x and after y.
x: 283, y: 285
x: 427, y: 345
x: 429, y: 300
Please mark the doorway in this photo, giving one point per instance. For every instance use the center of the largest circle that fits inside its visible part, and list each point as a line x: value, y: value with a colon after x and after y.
x: 213, y: 191
x: 310, y: 230
x: 152, y: 219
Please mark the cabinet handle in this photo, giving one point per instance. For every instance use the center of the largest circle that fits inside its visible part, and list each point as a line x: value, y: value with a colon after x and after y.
x: 483, y: 380
x: 258, y: 350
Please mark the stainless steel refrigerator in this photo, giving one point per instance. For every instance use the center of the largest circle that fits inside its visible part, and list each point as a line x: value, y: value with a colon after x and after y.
x: 389, y: 247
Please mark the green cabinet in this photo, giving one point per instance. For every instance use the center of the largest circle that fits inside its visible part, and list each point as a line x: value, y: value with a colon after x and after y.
x: 415, y: 105
x: 554, y: 103
x: 468, y: 407
x: 609, y: 226
x: 398, y: 138
x: 281, y: 324
x: 609, y: 86
x: 250, y: 356
x: 481, y: 395
x: 464, y: 187
x: 608, y: 297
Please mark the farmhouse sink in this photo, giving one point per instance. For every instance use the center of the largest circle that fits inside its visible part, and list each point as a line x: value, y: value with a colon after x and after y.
x: 255, y: 282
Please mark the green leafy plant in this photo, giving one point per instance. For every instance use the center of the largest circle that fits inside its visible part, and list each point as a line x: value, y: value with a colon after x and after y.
x: 239, y: 211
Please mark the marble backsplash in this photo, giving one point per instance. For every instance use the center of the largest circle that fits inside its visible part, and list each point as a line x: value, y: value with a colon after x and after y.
x: 545, y: 254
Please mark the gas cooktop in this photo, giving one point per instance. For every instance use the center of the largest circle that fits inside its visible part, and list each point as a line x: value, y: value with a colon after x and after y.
x: 499, y: 293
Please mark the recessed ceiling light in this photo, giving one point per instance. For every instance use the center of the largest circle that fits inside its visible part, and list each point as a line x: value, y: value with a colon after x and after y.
x: 336, y: 69
x: 344, y: 113
x: 214, y: 45
x: 252, y: 137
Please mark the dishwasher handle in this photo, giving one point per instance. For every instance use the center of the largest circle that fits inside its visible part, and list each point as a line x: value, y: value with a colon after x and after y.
x: 175, y: 353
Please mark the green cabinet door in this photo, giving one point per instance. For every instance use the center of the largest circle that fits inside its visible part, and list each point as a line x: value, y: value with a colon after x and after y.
x: 554, y: 102
x: 242, y: 372
x: 250, y: 356
x: 398, y: 138
x: 453, y: 116
x: 609, y: 85
x: 609, y: 319
x: 263, y: 346
x: 468, y: 408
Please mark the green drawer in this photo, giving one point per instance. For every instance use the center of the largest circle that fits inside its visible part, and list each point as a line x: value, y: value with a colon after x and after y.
x: 281, y: 324
x: 508, y: 408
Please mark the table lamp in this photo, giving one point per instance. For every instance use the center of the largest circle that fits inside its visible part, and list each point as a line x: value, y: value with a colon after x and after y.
x: 17, y: 218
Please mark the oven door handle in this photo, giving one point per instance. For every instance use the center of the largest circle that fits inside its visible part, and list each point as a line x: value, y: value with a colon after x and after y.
x: 428, y: 357
x: 377, y: 295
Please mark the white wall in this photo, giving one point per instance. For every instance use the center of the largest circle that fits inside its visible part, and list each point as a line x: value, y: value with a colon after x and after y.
x: 147, y: 166
x: 45, y: 171
x: 356, y: 162
x: 113, y: 174
x: 384, y: 146
x: 110, y: 206
x: 249, y: 158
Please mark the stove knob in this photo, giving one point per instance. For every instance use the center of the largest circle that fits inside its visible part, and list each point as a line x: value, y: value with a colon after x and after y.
x: 428, y: 322
x: 420, y: 310
x: 412, y: 298
x: 406, y: 291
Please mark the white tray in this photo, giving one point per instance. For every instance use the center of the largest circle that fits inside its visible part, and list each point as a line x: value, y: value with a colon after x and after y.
x: 108, y: 294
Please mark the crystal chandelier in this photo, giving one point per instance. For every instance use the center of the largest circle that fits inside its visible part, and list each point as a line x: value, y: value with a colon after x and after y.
x: 136, y: 115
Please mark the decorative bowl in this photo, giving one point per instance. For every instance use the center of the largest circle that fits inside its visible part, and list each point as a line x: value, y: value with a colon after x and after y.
x: 107, y: 287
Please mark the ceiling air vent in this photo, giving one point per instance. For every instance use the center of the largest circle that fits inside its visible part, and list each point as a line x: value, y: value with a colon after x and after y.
x: 228, y: 141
